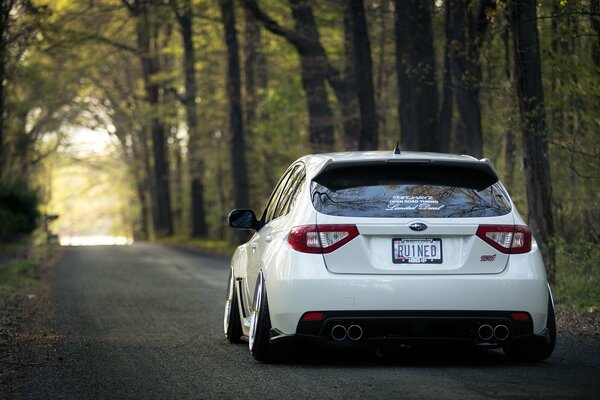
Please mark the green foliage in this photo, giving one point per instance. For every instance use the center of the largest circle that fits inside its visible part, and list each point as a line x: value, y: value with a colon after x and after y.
x: 578, y: 275
x: 212, y: 247
x: 18, y: 274
x: 18, y: 210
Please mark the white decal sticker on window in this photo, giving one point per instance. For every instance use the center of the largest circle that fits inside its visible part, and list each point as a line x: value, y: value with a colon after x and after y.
x: 402, y: 203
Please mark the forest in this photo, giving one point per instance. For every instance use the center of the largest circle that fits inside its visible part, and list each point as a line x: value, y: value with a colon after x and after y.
x: 203, y: 103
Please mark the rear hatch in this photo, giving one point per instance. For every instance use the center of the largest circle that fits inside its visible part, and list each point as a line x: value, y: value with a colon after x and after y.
x: 413, y: 218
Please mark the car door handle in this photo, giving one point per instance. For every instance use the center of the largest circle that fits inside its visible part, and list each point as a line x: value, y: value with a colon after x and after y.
x: 268, y: 238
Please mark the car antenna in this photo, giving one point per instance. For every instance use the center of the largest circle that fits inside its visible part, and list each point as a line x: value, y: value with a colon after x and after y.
x: 397, y: 149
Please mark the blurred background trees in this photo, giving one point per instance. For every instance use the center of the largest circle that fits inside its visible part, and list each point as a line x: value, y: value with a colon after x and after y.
x: 203, y: 103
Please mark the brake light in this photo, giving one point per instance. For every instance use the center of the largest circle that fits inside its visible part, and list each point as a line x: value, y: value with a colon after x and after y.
x: 321, y: 239
x: 508, y: 239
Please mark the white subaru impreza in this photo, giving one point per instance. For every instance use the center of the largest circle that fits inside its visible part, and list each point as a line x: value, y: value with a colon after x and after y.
x: 363, y: 249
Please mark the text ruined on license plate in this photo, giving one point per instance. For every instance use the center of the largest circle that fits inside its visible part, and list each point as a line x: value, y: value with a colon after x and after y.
x: 417, y: 251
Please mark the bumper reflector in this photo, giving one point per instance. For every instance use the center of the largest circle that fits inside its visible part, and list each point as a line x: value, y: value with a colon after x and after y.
x: 313, y: 316
x: 520, y: 316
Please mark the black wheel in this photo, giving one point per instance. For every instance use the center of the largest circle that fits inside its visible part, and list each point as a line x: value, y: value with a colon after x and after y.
x: 260, y: 327
x: 232, y: 325
x: 535, y: 348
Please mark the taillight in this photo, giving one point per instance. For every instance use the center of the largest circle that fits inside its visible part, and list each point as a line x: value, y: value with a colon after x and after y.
x: 509, y: 239
x: 321, y: 239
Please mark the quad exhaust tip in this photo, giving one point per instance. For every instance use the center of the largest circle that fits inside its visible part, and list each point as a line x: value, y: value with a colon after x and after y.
x: 485, y: 332
x: 501, y: 332
x: 355, y: 332
x: 339, y: 332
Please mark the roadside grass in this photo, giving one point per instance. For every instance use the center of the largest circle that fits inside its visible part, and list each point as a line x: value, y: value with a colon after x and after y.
x: 20, y: 271
x: 578, y: 276
x: 16, y: 275
x: 211, y: 247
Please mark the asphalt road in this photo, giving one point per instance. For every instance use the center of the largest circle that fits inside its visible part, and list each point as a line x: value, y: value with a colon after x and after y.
x: 145, y: 322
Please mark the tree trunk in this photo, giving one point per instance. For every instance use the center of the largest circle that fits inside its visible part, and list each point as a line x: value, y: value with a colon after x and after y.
x: 149, y: 181
x: 195, y: 159
x: 163, y: 225
x: 528, y: 74
x: 415, y: 68
x: 468, y: 31
x: 236, y: 122
x: 252, y: 40
x: 2, y: 113
x: 5, y: 8
x: 349, y: 104
x: 444, y: 130
x: 509, y: 137
x: 313, y: 79
x: 382, y: 76
x: 595, y: 22
x: 368, y: 139
x: 315, y: 70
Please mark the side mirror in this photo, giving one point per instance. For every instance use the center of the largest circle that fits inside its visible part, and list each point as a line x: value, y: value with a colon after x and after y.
x: 243, y: 219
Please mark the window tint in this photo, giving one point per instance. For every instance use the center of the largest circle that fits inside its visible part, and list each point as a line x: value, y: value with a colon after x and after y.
x: 292, y: 193
x: 282, y: 197
x: 409, y: 191
x: 286, y: 193
x: 270, y: 210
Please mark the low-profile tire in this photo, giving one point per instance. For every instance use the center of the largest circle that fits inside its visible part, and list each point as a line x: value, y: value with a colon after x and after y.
x: 535, y: 348
x: 232, y: 325
x: 260, y: 327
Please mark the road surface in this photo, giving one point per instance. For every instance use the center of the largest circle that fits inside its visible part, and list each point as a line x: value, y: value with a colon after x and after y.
x: 145, y: 322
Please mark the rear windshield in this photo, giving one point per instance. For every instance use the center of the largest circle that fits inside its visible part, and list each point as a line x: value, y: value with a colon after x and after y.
x: 409, y: 191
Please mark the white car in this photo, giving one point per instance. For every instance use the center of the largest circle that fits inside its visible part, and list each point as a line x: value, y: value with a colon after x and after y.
x: 362, y: 249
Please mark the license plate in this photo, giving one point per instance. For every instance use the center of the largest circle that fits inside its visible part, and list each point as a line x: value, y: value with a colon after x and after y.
x: 417, y: 251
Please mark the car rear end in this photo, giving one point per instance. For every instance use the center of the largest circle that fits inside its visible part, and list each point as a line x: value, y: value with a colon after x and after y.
x: 414, y: 250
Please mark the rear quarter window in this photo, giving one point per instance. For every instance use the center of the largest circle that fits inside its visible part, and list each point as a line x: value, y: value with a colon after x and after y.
x: 409, y: 191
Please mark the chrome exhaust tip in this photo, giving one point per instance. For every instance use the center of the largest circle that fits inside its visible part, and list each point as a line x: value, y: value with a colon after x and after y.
x: 485, y: 332
x: 355, y: 332
x: 339, y: 332
x: 501, y: 332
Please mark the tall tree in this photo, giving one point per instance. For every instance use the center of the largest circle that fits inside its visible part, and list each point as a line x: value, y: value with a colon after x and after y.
x: 5, y: 9
x: 314, y: 68
x: 234, y: 95
x: 509, y: 145
x: 415, y: 69
x: 468, y: 31
x: 147, y: 35
x: 528, y: 75
x: 595, y: 22
x: 184, y: 15
x: 349, y: 107
x: 368, y: 139
x: 254, y: 64
x: 444, y: 123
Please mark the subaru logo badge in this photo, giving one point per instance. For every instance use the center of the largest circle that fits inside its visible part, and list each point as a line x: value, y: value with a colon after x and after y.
x: 418, y: 226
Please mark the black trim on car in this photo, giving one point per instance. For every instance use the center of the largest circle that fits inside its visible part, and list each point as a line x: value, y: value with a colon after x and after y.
x: 414, y: 327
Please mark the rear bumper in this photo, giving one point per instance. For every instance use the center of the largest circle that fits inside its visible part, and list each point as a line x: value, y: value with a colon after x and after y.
x: 410, y: 328
x: 303, y: 287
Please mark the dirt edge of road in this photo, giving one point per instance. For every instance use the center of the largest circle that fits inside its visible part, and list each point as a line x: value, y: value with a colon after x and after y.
x: 31, y: 340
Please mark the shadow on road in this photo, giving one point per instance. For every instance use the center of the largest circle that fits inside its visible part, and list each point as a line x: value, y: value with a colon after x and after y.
x: 310, y: 356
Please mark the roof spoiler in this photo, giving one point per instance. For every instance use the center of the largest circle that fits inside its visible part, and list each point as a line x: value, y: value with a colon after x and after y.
x: 484, y: 165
